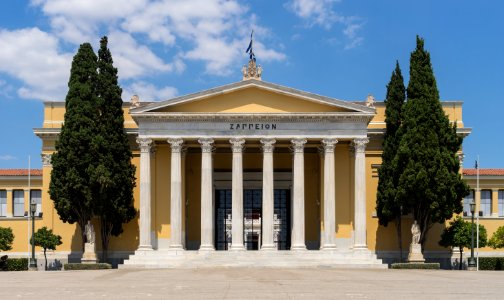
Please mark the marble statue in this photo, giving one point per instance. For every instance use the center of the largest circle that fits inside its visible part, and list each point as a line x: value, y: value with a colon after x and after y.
x: 415, y: 231
x: 90, y: 234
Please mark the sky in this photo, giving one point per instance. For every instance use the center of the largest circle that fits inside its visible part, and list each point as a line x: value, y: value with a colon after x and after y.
x: 338, y: 48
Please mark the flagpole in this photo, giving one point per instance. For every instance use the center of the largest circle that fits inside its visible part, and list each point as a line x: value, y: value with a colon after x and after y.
x: 29, y: 215
x: 477, y: 216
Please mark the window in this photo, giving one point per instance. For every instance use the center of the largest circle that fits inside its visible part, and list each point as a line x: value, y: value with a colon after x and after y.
x: 501, y: 203
x: 3, y: 203
x: 467, y: 201
x: 36, y: 196
x: 18, y: 203
x: 486, y: 203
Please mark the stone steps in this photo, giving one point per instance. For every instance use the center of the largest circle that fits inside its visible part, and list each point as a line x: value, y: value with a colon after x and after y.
x: 195, y: 259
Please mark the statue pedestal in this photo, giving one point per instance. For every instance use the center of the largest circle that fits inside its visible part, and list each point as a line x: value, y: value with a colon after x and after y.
x: 415, y: 254
x: 89, y: 256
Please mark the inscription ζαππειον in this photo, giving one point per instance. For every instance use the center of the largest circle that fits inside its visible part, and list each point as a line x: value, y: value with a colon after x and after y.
x: 252, y: 126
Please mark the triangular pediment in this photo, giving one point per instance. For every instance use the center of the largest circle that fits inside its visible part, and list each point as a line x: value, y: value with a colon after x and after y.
x: 253, y: 96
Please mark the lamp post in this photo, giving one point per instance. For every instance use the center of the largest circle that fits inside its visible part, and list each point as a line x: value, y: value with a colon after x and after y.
x: 471, y: 262
x: 33, y: 261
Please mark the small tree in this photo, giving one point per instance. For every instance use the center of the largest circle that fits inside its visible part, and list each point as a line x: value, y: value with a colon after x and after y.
x: 458, y: 234
x: 47, y: 240
x: 388, y: 206
x: 6, y: 238
x: 497, y: 240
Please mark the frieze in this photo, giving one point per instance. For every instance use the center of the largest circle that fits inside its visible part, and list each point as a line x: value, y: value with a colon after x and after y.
x: 252, y: 126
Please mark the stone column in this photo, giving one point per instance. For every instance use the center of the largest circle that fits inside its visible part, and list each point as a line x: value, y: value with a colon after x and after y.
x: 268, y: 204
x: 207, y: 202
x: 145, y: 194
x: 237, y: 194
x: 329, y: 241
x: 176, y: 193
x: 360, y: 194
x: 298, y: 220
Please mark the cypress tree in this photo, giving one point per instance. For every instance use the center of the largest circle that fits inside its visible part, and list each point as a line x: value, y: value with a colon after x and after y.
x: 429, y: 185
x: 388, y: 206
x: 113, y: 178
x: 73, y: 160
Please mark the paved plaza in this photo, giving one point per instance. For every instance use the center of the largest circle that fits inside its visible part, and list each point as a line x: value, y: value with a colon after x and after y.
x: 252, y: 283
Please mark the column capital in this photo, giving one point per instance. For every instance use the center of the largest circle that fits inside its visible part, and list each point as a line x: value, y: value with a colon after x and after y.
x: 206, y: 144
x: 237, y: 144
x: 329, y: 144
x: 298, y: 145
x: 360, y: 144
x: 268, y: 145
x: 145, y: 144
x: 46, y: 160
x: 176, y: 144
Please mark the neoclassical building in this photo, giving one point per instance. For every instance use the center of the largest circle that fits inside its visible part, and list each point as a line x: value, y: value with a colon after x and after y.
x: 249, y: 173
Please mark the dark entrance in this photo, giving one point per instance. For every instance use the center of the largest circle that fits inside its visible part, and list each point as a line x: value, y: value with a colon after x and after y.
x: 252, y: 210
x: 252, y: 222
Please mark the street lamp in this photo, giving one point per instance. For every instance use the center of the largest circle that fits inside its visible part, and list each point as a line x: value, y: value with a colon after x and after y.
x: 471, y: 262
x: 33, y: 261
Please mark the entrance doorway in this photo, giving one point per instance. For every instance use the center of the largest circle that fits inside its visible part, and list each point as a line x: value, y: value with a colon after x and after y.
x: 252, y: 221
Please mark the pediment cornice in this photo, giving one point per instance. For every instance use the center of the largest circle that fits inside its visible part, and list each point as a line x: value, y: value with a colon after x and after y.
x: 271, y: 87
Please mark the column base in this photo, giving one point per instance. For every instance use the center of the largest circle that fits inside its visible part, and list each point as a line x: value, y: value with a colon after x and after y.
x: 329, y: 247
x: 271, y: 247
x: 145, y: 248
x: 206, y: 248
x: 237, y: 247
x: 298, y: 248
x: 176, y: 247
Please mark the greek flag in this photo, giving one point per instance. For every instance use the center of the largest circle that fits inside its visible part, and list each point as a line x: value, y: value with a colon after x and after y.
x: 476, y: 165
x: 250, y: 50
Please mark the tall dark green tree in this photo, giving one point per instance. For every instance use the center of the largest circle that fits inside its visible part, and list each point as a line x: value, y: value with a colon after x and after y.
x: 388, y: 206
x: 429, y: 185
x: 113, y: 178
x: 73, y: 162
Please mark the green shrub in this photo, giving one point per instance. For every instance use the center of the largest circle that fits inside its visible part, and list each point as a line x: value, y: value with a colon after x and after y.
x: 430, y: 266
x: 491, y: 263
x: 17, y: 264
x: 99, y: 266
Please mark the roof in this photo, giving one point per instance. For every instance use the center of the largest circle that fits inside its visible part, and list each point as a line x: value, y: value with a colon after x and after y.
x: 484, y: 172
x: 258, y: 84
x: 20, y: 172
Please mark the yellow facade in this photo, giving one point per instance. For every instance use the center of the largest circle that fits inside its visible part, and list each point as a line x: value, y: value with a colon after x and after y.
x: 240, y: 101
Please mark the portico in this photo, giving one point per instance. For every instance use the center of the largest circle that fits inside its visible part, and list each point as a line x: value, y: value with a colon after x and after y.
x: 261, y: 147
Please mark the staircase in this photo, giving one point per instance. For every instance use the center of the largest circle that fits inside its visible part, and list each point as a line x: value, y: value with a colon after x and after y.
x: 341, y: 258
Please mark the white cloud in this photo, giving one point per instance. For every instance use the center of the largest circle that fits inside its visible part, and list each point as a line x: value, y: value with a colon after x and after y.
x: 149, y: 92
x: 211, y: 31
x: 32, y: 56
x: 146, y: 37
x: 322, y: 13
x: 7, y: 157
x: 317, y: 12
x: 132, y: 59
x: 5, y: 89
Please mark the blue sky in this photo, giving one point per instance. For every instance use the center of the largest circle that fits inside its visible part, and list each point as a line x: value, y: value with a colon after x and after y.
x: 342, y: 49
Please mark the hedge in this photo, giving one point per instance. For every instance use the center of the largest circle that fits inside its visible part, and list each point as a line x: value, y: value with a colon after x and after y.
x: 76, y: 266
x: 430, y: 266
x: 17, y: 264
x: 491, y: 263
